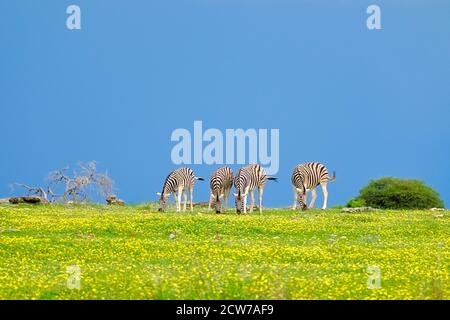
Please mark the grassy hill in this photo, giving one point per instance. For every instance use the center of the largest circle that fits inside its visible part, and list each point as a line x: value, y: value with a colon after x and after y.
x: 136, y: 253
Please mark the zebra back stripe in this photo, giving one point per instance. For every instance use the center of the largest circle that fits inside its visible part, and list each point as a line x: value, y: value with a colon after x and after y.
x: 181, y: 177
x: 310, y: 175
x: 252, y: 176
x: 221, y: 179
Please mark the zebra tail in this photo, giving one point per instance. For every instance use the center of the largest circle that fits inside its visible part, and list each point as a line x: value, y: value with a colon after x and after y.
x: 199, y: 178
x: 273, y: 179
x: 333, y: 177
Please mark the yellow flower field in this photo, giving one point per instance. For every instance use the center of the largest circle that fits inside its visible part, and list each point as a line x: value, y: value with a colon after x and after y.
x: 98, y: 252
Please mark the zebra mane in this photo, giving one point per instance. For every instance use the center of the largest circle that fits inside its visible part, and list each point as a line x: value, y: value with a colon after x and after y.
x: 165, y: 184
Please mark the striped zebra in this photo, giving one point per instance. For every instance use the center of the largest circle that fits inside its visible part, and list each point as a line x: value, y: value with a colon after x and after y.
x: 221, y: 183
x: 178, y: 182
x: 247, y: 180
x: 307, y: 177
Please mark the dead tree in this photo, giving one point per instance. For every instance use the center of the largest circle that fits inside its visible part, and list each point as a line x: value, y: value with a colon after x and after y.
x: 83, y: 182
x: 76, y: 188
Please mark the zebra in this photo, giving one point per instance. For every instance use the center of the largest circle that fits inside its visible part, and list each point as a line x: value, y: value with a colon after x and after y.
x: 307, y: 177
x: 178, y: 182
x: 221, y: 183
x: 247, y: 180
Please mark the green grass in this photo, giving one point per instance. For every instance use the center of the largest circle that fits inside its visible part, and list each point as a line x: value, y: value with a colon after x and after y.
x: 136, y: 253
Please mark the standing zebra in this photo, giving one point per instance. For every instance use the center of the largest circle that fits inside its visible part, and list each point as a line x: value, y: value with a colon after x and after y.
x: 307, y: 177
x: 247, y: 180
x: 178, y: 182
x: 221, y: 183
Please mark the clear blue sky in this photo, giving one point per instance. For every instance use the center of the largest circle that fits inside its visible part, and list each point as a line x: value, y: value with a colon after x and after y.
x: 365, y: 103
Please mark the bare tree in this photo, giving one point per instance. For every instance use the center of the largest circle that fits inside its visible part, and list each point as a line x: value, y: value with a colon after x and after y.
x: 85, y: 180
x: 76, y: 188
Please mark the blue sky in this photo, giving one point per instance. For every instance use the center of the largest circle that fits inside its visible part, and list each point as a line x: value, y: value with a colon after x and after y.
x: 367, y: 103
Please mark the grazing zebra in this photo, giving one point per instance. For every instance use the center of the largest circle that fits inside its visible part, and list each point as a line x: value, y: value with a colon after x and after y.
x: 178, y: 182
x: 221, y: 183
x: 307, y: 177
x: 247, y: 180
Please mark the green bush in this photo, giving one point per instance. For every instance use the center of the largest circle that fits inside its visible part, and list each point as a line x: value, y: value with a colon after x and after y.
x: 393, y: 193
x: 356, y: 203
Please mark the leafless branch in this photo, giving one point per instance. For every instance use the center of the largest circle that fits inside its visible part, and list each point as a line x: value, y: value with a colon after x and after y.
x: 35, y: 191
x: 76, y: 188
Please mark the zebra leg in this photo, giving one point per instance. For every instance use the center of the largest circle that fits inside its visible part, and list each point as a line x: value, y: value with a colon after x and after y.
x: 260, y: 193
x: 191, y: 191
x: 245, y: 203
x: 185, y: 199
x: 180, y: 191
x: 227, y: 203
x: 175, y: 198
x: 210, y: 201
x: 224, y: 201
x: 305, y: 199
x: 252, y: 198
x: 226, y: 193
x: 294, y: 206
x: 325, y: 195
x: 313, y: 198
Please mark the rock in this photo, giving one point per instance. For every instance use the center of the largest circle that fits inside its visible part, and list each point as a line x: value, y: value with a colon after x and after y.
x: 200, y: 204
x: 27, y: 199
x: 86, y: 236
x: 360, y: 209
x: 112, y: 200
x: 33, y: 200
x: 9, y: 230
x: 172, y: 236
x: 15, y: 200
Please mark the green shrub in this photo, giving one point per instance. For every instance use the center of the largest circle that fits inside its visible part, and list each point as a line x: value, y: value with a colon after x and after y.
x: 393, y: 193
x: 356, y: 203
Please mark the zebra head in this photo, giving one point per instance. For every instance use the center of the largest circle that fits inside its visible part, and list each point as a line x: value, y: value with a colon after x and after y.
x: 217, y: 199
x: 301, y: 198
x: 162, y: 201
x: 239, y: 201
